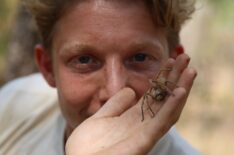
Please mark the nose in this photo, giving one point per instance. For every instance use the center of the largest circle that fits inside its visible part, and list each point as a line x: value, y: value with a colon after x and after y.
x: 115, y: 78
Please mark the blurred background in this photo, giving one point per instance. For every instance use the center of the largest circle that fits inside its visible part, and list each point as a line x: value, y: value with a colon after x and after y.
x: 208, y: 120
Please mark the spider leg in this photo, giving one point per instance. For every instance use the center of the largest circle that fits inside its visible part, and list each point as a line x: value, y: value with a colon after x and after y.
x: 165, y: 86
x: 168, y: 89
x: 149, y: 107
x: 162, y: 70
x: 142, y: 106
x: 145, y: 100
x: 172, y: 83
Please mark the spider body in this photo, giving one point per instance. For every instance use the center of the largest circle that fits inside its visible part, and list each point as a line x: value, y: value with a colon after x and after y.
x: 158, y: 91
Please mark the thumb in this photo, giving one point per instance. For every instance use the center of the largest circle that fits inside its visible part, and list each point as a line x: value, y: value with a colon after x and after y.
x: 117, y: 104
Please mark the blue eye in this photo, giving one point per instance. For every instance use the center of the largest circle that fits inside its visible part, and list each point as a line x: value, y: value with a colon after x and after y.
x: 84, y: 63
x: 140, y: 57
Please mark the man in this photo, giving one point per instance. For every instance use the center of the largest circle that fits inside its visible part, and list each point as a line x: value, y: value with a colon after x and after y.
x: 100, y: 55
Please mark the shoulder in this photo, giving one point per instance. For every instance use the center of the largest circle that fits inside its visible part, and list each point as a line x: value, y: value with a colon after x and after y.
x: 30, y: 117
x: 33, y: 83
x: 173, y: 143
x: 23, y: 97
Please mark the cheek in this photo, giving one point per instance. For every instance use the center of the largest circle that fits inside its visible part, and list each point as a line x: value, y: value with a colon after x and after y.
x: 75, y: 94
x: 139, y: 83
x: 73, y: 100
x: 72, y: 88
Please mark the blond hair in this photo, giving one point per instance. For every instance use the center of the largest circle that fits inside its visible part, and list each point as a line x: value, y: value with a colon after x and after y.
x: 170, y: 14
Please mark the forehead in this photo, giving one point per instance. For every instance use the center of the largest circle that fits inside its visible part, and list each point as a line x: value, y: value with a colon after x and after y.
x: 98, y: 20
x: 104, y: 12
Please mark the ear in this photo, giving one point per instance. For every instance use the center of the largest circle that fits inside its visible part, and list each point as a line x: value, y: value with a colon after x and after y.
x: 179, y: 49
x: 44, y: 62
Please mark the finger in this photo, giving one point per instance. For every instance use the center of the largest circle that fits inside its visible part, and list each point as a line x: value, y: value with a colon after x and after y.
x: 171, y: 110
x: 168, y: 113
x: 186, y: 81
x: 147, y: 99
x: 117, y: 104
x: 180, y: 64
x: 165, y: 69
x: 187, y: 78
x: 143, y: 109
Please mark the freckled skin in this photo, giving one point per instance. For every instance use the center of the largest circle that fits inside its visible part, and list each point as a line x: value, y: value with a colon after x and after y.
x: 112, y: 35
x: 100, y: 47
x: 81, y: 95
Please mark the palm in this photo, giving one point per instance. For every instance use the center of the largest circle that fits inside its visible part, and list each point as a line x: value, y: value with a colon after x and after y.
x: 105, y: 132
x: 102, y: 132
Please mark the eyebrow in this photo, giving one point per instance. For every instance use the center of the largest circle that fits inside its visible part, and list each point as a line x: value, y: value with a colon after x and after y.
x: 144, y: 44
x: 76, y: 48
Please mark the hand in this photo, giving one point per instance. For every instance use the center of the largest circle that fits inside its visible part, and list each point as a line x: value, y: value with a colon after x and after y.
x: 117, y: 127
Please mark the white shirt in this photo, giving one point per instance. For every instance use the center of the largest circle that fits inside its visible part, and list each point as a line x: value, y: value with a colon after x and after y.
x: 31, y: 122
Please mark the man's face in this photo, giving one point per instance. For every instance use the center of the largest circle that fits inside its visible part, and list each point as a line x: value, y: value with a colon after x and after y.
x: 100, y: 47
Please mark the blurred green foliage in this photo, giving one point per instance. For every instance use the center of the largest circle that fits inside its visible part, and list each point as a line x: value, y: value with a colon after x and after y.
x: 4, y: 10
x: 7, y: 11
x: 223, y: 11
x: 214, y: 59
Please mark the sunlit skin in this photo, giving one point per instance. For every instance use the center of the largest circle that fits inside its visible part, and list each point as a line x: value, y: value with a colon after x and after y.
x: 109, y: 39
x: 98, y: 49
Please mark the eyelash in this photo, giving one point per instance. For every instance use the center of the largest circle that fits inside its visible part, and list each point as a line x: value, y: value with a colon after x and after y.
x: 142, y: 57
x: 91, y: 63
x: 88, y: 63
